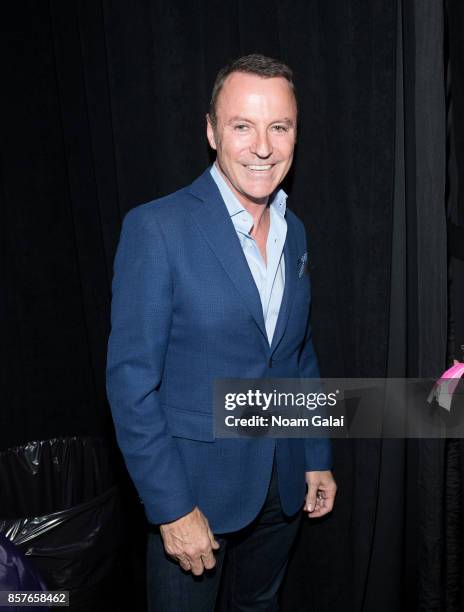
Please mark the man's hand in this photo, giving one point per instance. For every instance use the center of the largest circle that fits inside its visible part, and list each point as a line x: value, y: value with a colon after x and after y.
x: 190, y: 541
x: 321, y: 493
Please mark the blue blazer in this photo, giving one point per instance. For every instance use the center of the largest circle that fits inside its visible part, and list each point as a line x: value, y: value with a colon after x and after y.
x: 186, y: 311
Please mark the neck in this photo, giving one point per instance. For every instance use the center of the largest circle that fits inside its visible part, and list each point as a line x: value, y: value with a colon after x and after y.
x: 259, y: 212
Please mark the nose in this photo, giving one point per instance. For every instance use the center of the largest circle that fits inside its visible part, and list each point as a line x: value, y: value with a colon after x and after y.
x: 262, y: 145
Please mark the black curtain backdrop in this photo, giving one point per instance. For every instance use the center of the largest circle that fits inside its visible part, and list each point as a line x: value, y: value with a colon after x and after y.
x: 454, y: 503
x: 103, y: 108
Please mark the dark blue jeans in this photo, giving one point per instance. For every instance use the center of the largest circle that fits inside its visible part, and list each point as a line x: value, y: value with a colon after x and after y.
x: 250, y: 566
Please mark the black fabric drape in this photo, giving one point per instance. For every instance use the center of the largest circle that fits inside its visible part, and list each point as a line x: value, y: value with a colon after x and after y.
x: 104, y: 108
x: 454, y: 504
x: 349, y: 220
x: 455, y: 188
x: 418, y: 311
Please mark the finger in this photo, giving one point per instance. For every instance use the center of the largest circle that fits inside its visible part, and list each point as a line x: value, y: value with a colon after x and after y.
x: 329, y: 502
x: 208, y: 560
x: 317, y: 513
x: 196, y: 566
x: 325, y: 506
x: 319, y: 510
x: 184, y: 563
x: 311, y: 498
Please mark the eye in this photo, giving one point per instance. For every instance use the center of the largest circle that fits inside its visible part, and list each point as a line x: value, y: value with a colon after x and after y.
x: 280, y: 128
x: 241, y: 127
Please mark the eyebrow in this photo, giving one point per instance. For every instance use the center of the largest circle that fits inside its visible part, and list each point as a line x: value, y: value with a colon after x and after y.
x: 285, y: 120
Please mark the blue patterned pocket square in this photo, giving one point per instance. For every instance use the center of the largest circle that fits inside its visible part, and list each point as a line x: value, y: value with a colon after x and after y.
x: 302, y: 261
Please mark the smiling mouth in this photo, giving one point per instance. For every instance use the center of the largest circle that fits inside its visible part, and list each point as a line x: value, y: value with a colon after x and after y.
x: 259, y: 168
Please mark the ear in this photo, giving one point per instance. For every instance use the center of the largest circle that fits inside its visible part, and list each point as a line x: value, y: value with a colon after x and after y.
x: 210, y: 133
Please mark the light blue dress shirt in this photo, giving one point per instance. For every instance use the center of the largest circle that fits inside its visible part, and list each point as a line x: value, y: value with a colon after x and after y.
x: 270, y: 279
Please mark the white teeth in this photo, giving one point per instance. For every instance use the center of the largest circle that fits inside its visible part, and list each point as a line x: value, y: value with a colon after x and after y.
x: 260, y: 167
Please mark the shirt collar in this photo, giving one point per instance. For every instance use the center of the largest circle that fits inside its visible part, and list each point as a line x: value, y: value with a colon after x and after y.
x: 278, y: 200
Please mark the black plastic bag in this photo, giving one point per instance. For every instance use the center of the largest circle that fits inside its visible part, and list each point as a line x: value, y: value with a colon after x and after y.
x: 61, y: 508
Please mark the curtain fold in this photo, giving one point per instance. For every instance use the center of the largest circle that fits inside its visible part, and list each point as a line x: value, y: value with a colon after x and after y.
x: 418, y: 305
x: 454, y: 474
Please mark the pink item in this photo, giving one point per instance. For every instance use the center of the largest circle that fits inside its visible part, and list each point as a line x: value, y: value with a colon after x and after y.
x: 446, y: 385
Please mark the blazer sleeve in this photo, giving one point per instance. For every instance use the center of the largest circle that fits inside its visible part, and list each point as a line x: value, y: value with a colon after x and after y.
x: 141, y: 311
x: 318, y: 451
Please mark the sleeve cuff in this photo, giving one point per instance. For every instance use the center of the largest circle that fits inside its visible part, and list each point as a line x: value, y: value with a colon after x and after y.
x: 318, y: 454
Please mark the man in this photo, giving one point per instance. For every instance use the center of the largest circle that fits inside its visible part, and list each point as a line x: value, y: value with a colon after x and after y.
x: 208, y: 284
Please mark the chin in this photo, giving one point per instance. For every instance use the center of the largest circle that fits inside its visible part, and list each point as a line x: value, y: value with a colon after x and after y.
x: 259, y: 188
x: 261, y: 193
x: 257, y: 197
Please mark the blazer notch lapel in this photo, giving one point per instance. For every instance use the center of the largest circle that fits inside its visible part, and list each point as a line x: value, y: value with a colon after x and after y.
x: 291, y: 257
x: 219, y: 232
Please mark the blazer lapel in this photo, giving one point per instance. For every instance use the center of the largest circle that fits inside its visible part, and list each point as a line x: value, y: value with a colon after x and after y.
x: 213, y: 221
x: 291, y: 258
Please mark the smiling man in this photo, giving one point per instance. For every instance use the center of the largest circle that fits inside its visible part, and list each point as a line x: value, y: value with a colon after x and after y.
x: 208, y: 284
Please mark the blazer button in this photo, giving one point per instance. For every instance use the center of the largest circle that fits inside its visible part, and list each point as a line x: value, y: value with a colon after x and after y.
x: 269, y: 363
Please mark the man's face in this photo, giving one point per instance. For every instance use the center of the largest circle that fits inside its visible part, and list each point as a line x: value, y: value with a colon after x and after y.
x: 255, y: 134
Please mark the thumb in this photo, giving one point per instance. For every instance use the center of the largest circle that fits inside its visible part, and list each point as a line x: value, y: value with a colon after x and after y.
x: 214, y: 543
x: 311, y: 497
